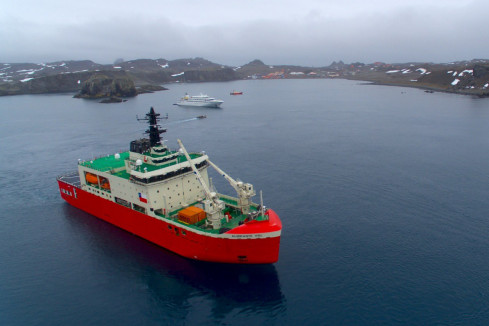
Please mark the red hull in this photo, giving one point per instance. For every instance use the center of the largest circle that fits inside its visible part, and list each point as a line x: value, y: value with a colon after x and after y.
x: 251, y: 243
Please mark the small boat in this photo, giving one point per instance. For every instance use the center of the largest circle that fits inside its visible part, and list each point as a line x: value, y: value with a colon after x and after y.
x: 201, y: 117
x: 236, y: 93
x: 199, y: 100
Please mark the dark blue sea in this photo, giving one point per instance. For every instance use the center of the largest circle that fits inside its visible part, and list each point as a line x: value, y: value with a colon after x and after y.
x: 383, y: 193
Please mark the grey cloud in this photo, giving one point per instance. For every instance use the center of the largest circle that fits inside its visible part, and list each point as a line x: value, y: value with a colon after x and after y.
x: 406, y: 33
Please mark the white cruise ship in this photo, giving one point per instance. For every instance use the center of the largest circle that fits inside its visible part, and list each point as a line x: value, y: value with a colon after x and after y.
x: 199, y: 100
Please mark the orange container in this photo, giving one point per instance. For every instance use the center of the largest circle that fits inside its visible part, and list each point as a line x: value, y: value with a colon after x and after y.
x: 191, y: 215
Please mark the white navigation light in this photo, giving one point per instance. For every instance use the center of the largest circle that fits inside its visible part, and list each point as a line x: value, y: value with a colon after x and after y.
x: 117, y: 156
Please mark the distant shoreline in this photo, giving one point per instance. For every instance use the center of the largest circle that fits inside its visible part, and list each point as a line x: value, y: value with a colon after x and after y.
x: 476, y: 93
x: 425, y: 88
x: 463, y: 78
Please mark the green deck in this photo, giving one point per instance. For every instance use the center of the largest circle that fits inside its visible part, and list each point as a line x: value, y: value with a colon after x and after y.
x: 113, y: 166
x: 107, y: 163
x: 236, y: 217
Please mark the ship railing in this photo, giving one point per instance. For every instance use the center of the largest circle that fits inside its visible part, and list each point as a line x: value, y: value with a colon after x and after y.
x: 72, y: 178
x: 233, y: 202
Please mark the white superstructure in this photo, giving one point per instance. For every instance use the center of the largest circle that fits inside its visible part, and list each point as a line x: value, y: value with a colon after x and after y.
x: 199, y: 100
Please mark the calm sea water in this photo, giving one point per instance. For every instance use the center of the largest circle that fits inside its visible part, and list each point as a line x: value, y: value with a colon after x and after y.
x: 383, y: 194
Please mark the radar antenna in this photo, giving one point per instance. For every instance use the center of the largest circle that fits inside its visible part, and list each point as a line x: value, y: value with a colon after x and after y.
x: 153, y: 131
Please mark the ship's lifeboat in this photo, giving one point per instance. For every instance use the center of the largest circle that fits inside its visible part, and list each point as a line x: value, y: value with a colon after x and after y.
x: 91, y: 178
x: 104, y: 183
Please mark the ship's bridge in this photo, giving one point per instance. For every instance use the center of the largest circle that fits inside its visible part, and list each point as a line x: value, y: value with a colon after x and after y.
x: 127, y: 165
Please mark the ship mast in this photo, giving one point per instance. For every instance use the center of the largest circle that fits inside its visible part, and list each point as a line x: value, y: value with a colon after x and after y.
x: 154, y: 132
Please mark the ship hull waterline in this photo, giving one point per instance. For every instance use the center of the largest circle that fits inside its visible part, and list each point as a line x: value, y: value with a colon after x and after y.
x: 252, y: 243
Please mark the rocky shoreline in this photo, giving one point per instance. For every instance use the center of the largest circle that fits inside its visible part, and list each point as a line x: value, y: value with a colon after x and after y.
x: 130, y: 78
x: 462, y: 79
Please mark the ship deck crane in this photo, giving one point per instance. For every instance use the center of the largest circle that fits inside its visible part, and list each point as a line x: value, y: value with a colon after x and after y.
x: 213, y: 206
x: 245, y: 190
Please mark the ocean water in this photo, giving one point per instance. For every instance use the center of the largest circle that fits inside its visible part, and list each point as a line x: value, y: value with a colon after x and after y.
x: 382, y: 191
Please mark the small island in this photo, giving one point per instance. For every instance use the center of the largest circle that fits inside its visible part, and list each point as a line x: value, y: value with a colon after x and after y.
x: 110, y: 87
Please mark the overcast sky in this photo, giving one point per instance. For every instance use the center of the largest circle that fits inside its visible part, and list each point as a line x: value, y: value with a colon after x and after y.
x: 301, y: 32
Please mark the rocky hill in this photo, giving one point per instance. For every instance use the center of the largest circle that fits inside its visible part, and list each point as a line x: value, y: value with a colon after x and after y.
x: 167, y: 70
x: 464, y: 77
x: 70, y: 76
x: 56, y: 83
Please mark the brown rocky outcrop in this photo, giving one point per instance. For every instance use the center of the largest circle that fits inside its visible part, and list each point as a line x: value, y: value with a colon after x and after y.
x: 101, y: 85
